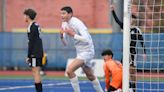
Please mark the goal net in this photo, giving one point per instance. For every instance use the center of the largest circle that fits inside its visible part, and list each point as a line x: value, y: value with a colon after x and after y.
x: 148, y: 53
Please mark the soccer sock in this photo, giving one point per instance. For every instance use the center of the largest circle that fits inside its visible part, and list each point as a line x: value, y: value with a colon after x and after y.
x: 133, y: 86
x: 75, y: 84
x: 38, y: 87
x: 130, y: 84
x: 97, y: 85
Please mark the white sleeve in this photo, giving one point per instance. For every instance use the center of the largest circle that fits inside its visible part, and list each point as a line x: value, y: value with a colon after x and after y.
x: 83, y: 33
x: 64, y: 25
x: 65, y: 36
x: 80, y: 38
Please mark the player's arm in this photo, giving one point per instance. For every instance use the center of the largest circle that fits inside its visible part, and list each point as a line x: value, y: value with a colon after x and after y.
x: 107, y: 77
x: 32, y: 38
x: 116, y: 18
x: 63, y: 37
x: 83, y: 34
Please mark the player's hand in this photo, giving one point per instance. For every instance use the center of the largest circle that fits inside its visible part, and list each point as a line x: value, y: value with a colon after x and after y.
x: 69, y: 31
x: 61, y: 33
x: 27, y: 60
x: 62, y: 36
x: 112, y: 7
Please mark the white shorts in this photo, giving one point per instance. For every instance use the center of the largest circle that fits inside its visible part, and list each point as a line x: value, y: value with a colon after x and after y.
x: 87, y: 57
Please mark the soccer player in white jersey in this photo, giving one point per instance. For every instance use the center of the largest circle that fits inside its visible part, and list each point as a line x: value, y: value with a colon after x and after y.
x: 75, y: 28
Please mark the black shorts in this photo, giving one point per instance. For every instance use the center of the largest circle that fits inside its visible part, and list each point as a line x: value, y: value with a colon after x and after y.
x: 111, y: 89
x: 34, y: 62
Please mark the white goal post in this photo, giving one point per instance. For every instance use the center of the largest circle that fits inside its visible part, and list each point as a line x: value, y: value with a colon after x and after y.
x: 126, y: 44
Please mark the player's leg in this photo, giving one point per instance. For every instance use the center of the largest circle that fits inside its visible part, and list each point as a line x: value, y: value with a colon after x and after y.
x: 133, y: 77
x: 37, y: 78
x: 35, y: 64
x: 89, y: 73
x: 133, y: 72
x: 77, y: 63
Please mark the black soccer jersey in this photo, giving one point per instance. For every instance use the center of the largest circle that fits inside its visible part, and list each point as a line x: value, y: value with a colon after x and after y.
x: 135, y: 35
x: 35, y: 46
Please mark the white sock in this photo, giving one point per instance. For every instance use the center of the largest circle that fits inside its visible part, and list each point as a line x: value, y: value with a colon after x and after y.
x: 97, y: 85
x: 75, y: 84
x: 130, y: 89
x: 118, y: 90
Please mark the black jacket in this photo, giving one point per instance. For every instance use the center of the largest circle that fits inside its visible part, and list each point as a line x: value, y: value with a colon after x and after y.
x: 35, y: 46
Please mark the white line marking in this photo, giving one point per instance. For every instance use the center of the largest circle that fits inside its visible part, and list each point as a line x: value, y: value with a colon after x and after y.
x: 44, y: 85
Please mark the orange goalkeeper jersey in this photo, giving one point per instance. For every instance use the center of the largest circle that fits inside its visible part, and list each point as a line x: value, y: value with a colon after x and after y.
x: 113, y: 70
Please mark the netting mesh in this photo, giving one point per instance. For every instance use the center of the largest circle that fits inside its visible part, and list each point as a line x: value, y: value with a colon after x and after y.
x: 150, y: 13
x: 149, y: 69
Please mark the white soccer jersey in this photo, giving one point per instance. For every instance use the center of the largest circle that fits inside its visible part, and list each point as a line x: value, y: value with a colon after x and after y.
x: 83, y: 43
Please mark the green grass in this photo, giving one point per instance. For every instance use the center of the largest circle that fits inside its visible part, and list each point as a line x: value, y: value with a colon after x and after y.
x: 43, y: 77
x: 146, y: 79
x: 152, y: 79
x: 30, y: 77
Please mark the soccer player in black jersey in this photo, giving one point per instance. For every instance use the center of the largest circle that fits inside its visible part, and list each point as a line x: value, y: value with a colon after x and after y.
x: 35, y: 47
x: 135, y: 34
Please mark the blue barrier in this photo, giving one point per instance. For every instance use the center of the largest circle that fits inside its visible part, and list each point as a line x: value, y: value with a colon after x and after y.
x: 13, y: 50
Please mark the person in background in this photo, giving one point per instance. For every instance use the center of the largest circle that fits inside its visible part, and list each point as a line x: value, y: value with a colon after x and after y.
x: 35, y: 47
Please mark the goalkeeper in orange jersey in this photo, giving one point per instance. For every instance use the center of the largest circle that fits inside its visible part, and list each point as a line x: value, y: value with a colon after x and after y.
x: 112, y: 70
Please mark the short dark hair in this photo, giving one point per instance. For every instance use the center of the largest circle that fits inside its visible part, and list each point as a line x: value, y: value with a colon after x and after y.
x: 107, y: 52
x: 31, y: 13
x: 68, y: 9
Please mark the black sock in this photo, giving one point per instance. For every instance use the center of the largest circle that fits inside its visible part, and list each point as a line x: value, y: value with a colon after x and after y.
x: 130, y: 85
x: 133, y: 85
x: 38, y: 87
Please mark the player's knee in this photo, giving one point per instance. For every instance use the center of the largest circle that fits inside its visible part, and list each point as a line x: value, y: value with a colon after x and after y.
x: 91, y: 77
x: 35, y: 70
x: 69, y: 72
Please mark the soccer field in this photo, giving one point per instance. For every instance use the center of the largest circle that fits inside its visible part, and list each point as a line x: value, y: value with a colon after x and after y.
x: 21, y: 83
x: 54, y: 85
x: 50, y: 84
